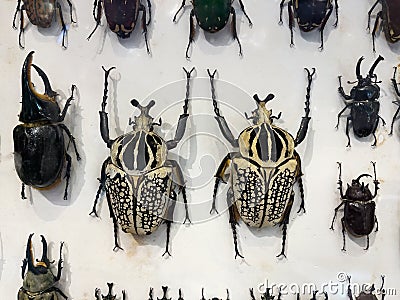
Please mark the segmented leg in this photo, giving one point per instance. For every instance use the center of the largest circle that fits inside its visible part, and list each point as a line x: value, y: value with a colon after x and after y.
x: 367, y: 247
x: 102, y: 186
x: 349, y: 292
x: 60, y: 261
x: 191, y: 33
x: 219, y: 176
x: 142, y: 8
x: 115, y: 223
x: 149, y: 9
x: 323, y: 24
x: 168, y: 223
x: 369, y: 14
x: 64, y: 28
x: 244, y: 11
x: 104, y: 130
x: 291, y: 21
x: 21, y: 27
x: 71, y: 139
x: 377, y: 224
x: 70, y: 10
x: 343, y: 234
x: 337, y: 19
x: 348, y: 131
x: 334, y: 216
x: 180, y: 8
x: 97, y: 294
x: 67, y: 175
x: 234, y: 30
x: 284, y: 223
x: 281, y: 5
x: 67, y: 104
x: 251, y: 290
x: 23, y: 196
x: 233, y: 221
x: 379, y: 17
x: 97, y: 15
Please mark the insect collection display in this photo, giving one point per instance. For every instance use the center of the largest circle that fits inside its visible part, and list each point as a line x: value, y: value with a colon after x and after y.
x: 190, y: 131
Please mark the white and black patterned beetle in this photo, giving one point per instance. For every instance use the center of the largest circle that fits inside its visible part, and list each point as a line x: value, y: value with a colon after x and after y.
x: 39, y: 280
x: 109, y: 296
x: 359, y: 208
x: 367, y: 295
x: 141, y: 183
x: 397, y: 102
x: 264, y: 170
x: 363, y: 103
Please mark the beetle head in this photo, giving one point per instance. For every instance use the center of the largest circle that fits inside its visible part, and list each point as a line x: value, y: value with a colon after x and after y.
x: 143, y: 121
x: 358, y: 190
x: 42, y: 266
x: 37, y: 107
x: 371, y: 76
x: 261, y: 114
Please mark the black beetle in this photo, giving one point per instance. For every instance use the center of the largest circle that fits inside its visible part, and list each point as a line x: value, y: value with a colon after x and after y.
x: 165, y: 292
x: 212, y: 16
x: 41, y: 14
x: 310, y: 14
x: 141, y: 183
x: 122, y: 16
x: 267, y: 295
x: 390, y: 16
x: 367, y: 295
x: 397, y: 102
x: 39, y: 281
x: 363, y: 103
x: 40, y: 152
x: 213, y: 298
x: 315, y: 296
x: 109, y: 296
x: 359, y: 208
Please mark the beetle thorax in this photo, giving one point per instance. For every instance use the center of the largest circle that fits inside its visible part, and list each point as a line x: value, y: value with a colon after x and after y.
x: 262, y: 114
x: 358, y: 191
x: 38, y: 282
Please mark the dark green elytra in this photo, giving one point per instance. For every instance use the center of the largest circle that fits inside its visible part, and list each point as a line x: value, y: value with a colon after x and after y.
x: 212, y: 15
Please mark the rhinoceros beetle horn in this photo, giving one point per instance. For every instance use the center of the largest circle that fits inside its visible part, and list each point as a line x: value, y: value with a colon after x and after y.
x: 361, y: 176
x: 42, y: 266
x: 358, y: 68
x: 35, y: 106
x: 45, y: 259
x: 268, y: 98
x: 377, y: 61
x: 29, y: 254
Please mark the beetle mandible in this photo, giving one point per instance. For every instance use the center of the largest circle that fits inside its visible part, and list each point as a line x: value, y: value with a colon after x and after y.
x: 122, y: 16
x: 390, y: 17
x: 359, y: 207
x: 264, y: 170
x: 141, y: 182
x: 40, y: 152
x: 397, y: 102
x: 363, y: 103
x: 39, y: 281
x: 41, y: 14
x: 212, y: 16
x: 367, y: 295
x: 310, y: 14
x: 109, y: 296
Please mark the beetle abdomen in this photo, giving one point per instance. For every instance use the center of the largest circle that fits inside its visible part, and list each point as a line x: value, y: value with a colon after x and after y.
x: 365, y: 118
x: 40, y: 12
x: 391, y: 10
x: 310, y: 14
x: 359, y: 217
x: 39, y: 154
x: 121, y: 16
x: 212, y: 15
x: 26, y: 295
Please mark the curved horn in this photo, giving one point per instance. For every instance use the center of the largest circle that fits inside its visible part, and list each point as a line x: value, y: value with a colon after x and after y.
x: 45, y: 259
x: 358, y: 67
x: 47, y: 86
x: 29, y: 254
x: 361, y: 176
x: 377, y: 61
x: 268, y: 98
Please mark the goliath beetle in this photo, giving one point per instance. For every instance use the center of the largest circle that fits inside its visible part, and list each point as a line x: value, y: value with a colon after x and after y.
x: 363, y: 103
x: 39, y: 281
x: 40, y: 152
x: 309, y: 14
x: 41, y: 14
x: 109, y: 296
x: 390, y: 16
x: 122, y: 16
x: 141, y: 183
x: 264, y: 170
x: 212, y: 16
x: 213, y: 298
x: 267, y: 295
x: 359, y: 208
x: 397, y: 102
x: 367, y: 295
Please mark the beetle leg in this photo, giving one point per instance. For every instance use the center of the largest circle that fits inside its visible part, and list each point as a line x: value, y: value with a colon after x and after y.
x: 395, y: 116
x: 337, y: 16
x: 252, y: 294
x: 234, y: 31
x: 367, y: 247
x: 180, y: 8
x: 70, y: 10
x: 376, y: 181
x: 300, y: 182
x: 323, y: 24
x: 60, y: 261
x: 105, y: 132
x: 377, y: 224
x: 233, y: 221
x: 142, y: 8
x: 301, y: 133
x: 71, y: 139
x: 395, y: 84
x: 168, y: 221
x: 349, y: 292
x: 369, y: 14
x: 67, y: 104
x: 123, y: 295
x: 59, y: 291
x: 64, y: 28
x: 281, y: 11
x: 219, y: 176
x: 21, y: 27
x: 379, y: 16
x: 244, y: 11
x: 334, y: 216
x: 115, y: 223
x: 339, y: 115
x: 97, y: 15
x: 67, y: 174
x: 291, y: 21
x: 284, y: 223
x: 18, y: 9
x: 381, y: 290
x: 23, y: 267
x: 102, y: 185
x: 97, y: 294
x: 348, y: 130
x: 223, y: 125
x: 344, y: 236
x: 181, y: 128
x: 191, y: 33
x: 23, y: 196
x: 149, y: 9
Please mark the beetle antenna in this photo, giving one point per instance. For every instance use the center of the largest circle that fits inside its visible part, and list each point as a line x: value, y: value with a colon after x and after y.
x: 377, y: 61
x: 358, y: 68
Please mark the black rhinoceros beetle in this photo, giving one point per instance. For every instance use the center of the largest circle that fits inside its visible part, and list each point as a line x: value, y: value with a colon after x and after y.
x: 390, y: 17
x: 363, y: 103
x: 122, y: 16
x: 359, y: 208
x: 109, y: 296
x: 310, y: 14
x: 41, y: 13
x: 39, y: 281
x: 40, y: 152
x: 141, y: 183
x: 397, y: 102
x: 367, y: 295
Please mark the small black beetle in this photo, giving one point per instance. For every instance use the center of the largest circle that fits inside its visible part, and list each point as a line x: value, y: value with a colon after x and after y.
x: 310, y: 14
x: 363, y: 103
x: 212, y: 16
x: 359, y: 208
x: 367, y: 295
x: 122, y: 16
x: 40, y: 152
x: 390, y: 16
x: 39, y: 280
x: 41, y: 14
x: 267, y: 295
x: 397, y: 102
x: 213, y: 298
x: 109, y: 296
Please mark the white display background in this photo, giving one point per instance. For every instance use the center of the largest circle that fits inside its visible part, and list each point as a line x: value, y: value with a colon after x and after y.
x: 203, y: 254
